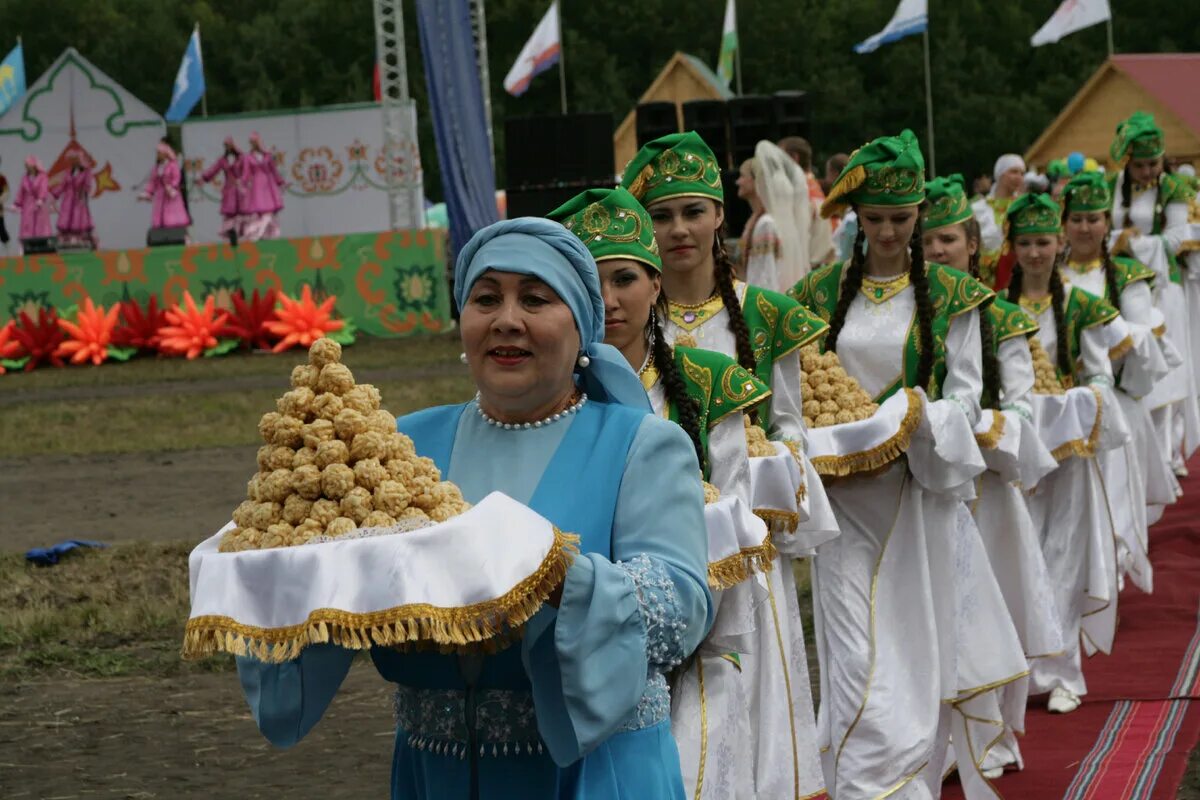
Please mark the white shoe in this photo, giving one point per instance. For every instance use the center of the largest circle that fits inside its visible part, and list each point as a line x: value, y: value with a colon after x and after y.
x: 1062, y: 701
x: 993, y: 773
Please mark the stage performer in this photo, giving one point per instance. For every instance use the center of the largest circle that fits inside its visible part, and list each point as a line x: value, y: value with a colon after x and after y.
x: 264, y: 196
x: 774, y: 245
x: 579, y: 707
x: 1150, y: 223
x: 677, y: 179
x: 706, y: 394
x: 234, y: 189
x: 3, y: 206
x: 33, y: 200
x: 164, y: 189
x: 75, y: 225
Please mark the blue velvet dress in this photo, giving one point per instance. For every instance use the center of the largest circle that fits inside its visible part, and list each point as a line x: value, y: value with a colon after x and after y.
x: 579, y: 707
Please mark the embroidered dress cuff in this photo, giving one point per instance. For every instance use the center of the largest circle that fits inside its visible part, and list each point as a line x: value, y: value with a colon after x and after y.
x: 1018, y: 408
x: 659, y: 607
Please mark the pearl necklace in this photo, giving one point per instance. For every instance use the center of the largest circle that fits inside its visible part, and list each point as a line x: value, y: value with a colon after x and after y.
x: 524, y: 426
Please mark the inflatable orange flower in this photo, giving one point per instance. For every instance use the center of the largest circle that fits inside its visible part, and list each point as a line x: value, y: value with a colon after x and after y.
x: 91, y: 333
x: 302, y: 322
x: 191, y: 330
x: 9, y: 347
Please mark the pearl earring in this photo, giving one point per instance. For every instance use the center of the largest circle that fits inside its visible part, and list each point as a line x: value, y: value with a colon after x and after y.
x: 462, y: 357
x: 583, y: 362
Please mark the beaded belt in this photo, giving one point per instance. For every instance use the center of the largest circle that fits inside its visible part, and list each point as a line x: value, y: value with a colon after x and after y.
x: 505, y: 723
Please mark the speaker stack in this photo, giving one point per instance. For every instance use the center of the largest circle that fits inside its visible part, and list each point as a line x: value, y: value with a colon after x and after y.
x: 36, y: 245
x: 653, y: 120
x: 549, y: 160
x: 160, y: 237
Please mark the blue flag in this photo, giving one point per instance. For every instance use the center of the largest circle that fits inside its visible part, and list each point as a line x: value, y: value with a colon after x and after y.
x: 189, y: 82
x: 912, y: 16
x: 12, y: 78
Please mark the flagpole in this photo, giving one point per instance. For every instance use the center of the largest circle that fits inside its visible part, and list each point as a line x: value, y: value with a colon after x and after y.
x: 737, y: 51
x: 929, y: 105
x: 203, y: 97
x: 562, y: 58
x: 1108, y: 25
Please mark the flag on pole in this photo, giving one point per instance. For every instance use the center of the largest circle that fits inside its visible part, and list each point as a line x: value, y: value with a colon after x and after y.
x: 12, y: 78
x: 189, y: 81
x: 912, y: 16
x: 539, y: 54
x: 729, y: 44
x: 1071, y: 16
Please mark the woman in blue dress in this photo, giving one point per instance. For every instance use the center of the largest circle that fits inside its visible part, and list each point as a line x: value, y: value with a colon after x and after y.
x: 578, y: 706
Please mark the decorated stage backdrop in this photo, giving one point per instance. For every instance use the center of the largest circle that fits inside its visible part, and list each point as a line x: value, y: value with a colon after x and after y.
x: 74, y: 107
x: 332, y: 159
x: 388, y: 284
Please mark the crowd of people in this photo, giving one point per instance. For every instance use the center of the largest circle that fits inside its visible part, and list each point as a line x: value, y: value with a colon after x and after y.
x: 251, y: 196
x: 621, y: 354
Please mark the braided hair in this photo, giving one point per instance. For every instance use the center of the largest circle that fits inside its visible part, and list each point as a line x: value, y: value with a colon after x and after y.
x: 1127, y: 198
x: 673, y: 385
x: 723, y: 277
x: 852, y: 281
x: 991, y: 366
x: 1062, y: 355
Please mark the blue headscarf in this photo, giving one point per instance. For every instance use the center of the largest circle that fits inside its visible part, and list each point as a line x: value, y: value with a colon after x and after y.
x: 548, y: 251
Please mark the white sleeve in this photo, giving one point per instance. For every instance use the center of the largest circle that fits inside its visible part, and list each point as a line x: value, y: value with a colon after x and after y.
x: 989, y: 232
x: 728, y: 459
x: 1016, y: 376
x: 787, y: 401
x: 1137, y: 303
x: 1095, y: 344
x: 1175, y: 225
x: 964, y: 364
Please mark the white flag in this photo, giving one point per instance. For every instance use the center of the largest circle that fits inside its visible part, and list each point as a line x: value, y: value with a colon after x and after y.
x: 539, y: 54
x: 912, y: 16
x: 729, y: 44
x: 1071, y: 16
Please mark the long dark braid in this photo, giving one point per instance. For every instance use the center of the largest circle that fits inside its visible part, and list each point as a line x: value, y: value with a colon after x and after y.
x: 919, y: 279
x: 991, y: 367
x: 1127, y: 195
x: 723, y: 276
x: 1110, y: 274
x: 1057, y: 292
x: 852, y: 280
x: 673, y: 384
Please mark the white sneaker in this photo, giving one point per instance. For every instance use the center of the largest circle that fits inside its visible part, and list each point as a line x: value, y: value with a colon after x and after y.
x: 1062, y: 701
x: 993, y: 773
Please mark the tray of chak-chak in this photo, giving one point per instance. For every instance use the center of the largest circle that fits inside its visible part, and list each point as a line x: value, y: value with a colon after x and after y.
x: 348, y: 536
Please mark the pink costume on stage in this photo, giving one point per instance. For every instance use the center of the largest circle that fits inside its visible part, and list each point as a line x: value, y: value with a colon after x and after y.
x: 74, y: 215
x: 169, y: 210
x: 233, y: 163
x: 264, y: 199
x: 33, y: 201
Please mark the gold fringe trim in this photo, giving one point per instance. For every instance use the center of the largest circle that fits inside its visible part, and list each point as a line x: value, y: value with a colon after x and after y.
x: 417, y: 622
x: 802, y: 490
x: 1080, y: 447
x: 732, y: 570
x: 777, y: 520
x: 1121, y: 349
x: 834, y: 201
x: 1122, y: 245
x: 1160, y: 331
x: 989, y: 440
x: 879, y: 456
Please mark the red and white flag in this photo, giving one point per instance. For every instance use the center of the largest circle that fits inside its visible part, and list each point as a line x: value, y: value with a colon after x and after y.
x: 1071, y: 16
x: 539, y: 54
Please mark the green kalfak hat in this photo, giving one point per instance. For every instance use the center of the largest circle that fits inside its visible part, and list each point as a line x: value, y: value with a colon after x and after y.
x: 675, y: 165
x: 1087, y: 191
x: 1057, y: 169
x: 889, y: 171
x: 948, y: 204
x: 1137, y: 137
x: 612, y: 224
x: 1033, y: 213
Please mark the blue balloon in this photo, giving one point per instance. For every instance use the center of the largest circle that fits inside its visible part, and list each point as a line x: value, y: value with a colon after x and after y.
x: 1075, y: 162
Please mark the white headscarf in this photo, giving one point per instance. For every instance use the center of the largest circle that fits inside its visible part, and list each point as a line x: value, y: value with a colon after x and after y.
x: 1003, y: 164
x: 783, y: 188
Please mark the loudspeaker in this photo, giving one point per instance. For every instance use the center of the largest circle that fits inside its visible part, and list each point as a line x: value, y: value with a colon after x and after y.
x: 158, y: 237
x: 751, y: 119
x: 791, y: 114
x: 544, y: 152
x: 737, y: 210
x: 655, y: 120
x: 710, y: 119
x: 39, y: 244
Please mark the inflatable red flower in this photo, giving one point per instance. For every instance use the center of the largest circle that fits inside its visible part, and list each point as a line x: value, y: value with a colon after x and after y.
x: 192, y: 330
x: 40, y: 340
x: 9, y: 346
x: 250, y: 317
x: 302, y: 322
x: 90, y: 334
x: 140, y: 327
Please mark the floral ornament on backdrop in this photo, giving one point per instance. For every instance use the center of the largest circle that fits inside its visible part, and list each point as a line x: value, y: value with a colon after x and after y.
x: 90, y: 334
x: 317, y: 170
x: 192, y: 331
x: 301, y: 322
x: 248, y: 320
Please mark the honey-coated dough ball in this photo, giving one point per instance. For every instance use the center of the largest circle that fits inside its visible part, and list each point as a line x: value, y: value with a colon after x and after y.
x: 325, y: 511
x: 263, y: 457
x: 829, y: 407
x: 812, y: 408
x: 278, y: 535
x: 340, y: 527
x: 296, y: 403
x: 306, y: 481
x: 304, y: 457
x: 357, y: 504
x: 431, y: 496
x: 391, y: 497
x: 335, y: 379
x: 400, y: 446
x: 280, y: 458
x: 402, y: 469
x: 306, y: 530
x: 296, y: 509
x: 444, y: 512
x: 412, y: 512
x: 369, y: 444
x: 816, y: 377
x: 426, y: 468
x: 363, y: 398
x: 383, y: 422
x: 324, y: 351
x: 327, y: 406
x: 289, y: 432
x: 317, y: 431
x: 336, y: 481
x: 254, y: 487
x: 369, y: 473
x: 844, y: 416
x: 349, y: 423
x: 264, y: 515
x: 305, y: 375
x: 277, y: 485
x: 825, y: 391
x: 242, y: 514
x: 267, y: 424
x: 378, y: 519
x: 825, y: 420
x: 332, y: 452
x: 808, y: 358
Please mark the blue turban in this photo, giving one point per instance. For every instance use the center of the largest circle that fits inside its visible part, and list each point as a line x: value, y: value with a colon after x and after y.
x: 548, y: 251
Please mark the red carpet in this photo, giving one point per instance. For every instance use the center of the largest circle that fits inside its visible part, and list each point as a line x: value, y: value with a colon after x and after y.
x: 1131, y: 738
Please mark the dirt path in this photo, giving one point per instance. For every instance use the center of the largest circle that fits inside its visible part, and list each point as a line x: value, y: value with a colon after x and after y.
x: 186, y: 738
x: 135, y: 496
